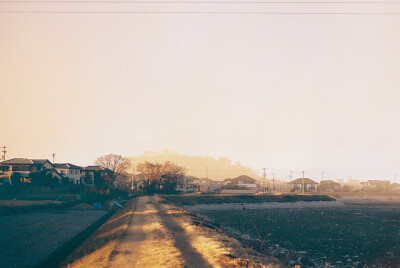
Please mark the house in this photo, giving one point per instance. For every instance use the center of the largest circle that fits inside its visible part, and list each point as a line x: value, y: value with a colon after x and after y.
x: 25, y: 167
x: 242, y: 181
x: 305, y: 184
x: 70, y: 171
x: 375, y: 185
x: 201, y: 184
x: 90, y: 174
x: 329, y: 186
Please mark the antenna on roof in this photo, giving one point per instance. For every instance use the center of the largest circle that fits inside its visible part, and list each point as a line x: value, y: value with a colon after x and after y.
x: 4, y: 152
x: 53, y: 155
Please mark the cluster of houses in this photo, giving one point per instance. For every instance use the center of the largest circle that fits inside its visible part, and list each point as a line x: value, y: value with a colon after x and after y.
x: 75, y: 174
x: 242, y: 184
x: 246, y: 184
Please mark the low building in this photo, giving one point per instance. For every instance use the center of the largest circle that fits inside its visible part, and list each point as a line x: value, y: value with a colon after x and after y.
x: 242, y: 181
x: 198, y: 184
x: 70, y: 171
x: 25, y: 167
x: 375, y: 185
x: 305, y: 184
x: 90, y: 174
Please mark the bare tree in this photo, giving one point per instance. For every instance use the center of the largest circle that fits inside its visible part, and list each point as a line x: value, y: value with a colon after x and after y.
x: 165, y: 176
x: 151, y: 170
x: 116, y: 163
x: 171, y: 174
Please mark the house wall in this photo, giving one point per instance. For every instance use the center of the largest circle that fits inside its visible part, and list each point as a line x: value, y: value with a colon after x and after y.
x: 248, y: 185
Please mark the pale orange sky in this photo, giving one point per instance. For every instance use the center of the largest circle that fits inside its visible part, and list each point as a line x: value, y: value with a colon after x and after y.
x: 301, y: 92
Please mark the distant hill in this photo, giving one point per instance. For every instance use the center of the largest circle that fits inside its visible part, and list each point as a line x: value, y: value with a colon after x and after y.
x: 218, y: 169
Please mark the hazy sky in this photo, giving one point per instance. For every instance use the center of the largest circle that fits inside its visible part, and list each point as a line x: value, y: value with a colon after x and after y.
x: 301, y: 92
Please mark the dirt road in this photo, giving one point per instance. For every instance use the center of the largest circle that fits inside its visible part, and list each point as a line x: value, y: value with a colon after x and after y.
x: 161, y: 235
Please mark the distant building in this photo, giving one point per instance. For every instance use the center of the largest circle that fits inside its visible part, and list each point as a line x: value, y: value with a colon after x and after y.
x: 242, y: 181
x: 70, y: 171
x: 303, y: 183
x: 340, y: 181
x: 198, y: 184
x: 375, y: 185
x: 25, y: 167
x: 89, y: 175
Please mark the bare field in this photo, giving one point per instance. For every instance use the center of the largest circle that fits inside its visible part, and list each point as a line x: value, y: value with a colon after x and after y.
x: 28, y: 238
x: 357, y: 235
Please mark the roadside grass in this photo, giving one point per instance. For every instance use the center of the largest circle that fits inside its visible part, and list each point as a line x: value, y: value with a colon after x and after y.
x: 98, y: 248
x: 188, y: 200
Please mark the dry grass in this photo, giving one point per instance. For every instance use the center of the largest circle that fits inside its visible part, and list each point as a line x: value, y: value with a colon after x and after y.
x: 97, y: 249
x: 218, y: 249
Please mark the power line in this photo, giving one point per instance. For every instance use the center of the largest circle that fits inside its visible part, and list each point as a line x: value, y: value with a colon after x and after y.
x: 196, y: 12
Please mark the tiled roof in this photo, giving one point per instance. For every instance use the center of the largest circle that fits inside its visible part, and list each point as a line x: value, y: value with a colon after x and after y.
x: 24, y: 161
x: 244, y: 178
x: 66, y: 165
x: 306, y: 181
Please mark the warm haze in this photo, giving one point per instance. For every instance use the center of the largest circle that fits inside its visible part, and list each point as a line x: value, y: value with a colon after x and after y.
x: 286, y: 92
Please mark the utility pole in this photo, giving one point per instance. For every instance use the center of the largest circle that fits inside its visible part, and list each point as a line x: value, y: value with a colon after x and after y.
x: 322, y: 175
x: 53, y: 155
x: 133, y: 174
x: 273, y: 181
x: 4, y: 152
x: 302, y: 184
x: 263, y: 179
x: 291, y: 175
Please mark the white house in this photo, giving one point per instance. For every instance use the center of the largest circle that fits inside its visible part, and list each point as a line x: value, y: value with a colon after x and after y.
x: 70, y: 171
x: 304, y: 183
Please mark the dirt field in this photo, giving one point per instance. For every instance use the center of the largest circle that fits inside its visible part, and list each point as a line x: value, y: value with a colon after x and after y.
x: 355, y: 235
x: 28, y: 238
